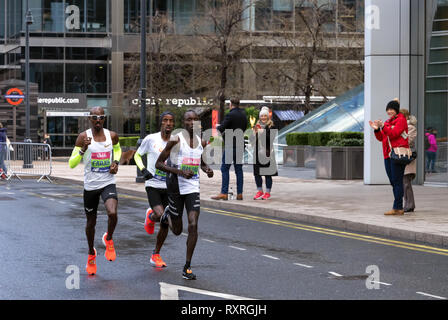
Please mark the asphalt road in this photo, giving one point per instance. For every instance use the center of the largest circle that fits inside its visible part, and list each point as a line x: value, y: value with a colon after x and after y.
x: 42, y: 245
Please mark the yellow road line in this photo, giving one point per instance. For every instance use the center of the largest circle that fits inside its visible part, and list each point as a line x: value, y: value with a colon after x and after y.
x: 394, y: 243
x: 332, y: 232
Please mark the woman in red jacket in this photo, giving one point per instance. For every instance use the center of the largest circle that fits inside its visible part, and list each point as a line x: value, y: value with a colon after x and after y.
x: 393, y: 132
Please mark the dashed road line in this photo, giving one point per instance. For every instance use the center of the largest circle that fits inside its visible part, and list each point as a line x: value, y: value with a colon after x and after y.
x: 383, y: 283
x: 335, y: 274
x: 431, y: 295
x: 207, y: 240
x: 237, y: 248
x: 303, y: 265
x: 270, y: 257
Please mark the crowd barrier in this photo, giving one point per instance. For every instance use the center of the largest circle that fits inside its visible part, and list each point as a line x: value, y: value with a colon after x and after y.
x: 26, y: 159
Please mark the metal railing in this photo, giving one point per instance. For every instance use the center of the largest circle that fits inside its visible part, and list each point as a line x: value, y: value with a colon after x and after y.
x: 26, y: 159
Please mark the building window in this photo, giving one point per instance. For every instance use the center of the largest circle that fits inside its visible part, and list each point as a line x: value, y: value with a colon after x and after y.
x: 97, y: 16
x: 75, y: 78
x: 436, y: 106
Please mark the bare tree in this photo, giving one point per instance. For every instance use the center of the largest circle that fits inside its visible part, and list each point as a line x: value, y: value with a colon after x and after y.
x: 310, y: 56
x: 224, y: 43
x: 165, y: 64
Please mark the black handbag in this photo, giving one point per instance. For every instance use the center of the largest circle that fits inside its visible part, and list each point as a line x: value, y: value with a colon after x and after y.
x: 401, y: 156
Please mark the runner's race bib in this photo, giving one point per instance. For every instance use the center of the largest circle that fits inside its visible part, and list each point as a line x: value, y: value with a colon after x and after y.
x: 160, y: 175
x: 100, y: 161
x: 192, y: 165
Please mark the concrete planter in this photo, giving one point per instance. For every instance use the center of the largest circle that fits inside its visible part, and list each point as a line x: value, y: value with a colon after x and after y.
x: 294, y: 156
x: 310, y: 157
x: 340, y: 163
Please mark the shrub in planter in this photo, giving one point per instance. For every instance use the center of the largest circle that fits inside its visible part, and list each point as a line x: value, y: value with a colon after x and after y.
x: 297, y: 138
x: 346, y: 143
x: 320, y: 138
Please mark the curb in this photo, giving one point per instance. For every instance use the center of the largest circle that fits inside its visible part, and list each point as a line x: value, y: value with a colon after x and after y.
x: 342, y: 224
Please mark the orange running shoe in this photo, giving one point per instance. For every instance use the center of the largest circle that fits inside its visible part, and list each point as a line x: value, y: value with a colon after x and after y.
x: 91, y: 264
x: 149, y: 224
x: 110, y: 250
x: 156, y: 261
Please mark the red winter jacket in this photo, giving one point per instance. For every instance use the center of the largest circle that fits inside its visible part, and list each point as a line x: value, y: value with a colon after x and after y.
x: 393, y: 128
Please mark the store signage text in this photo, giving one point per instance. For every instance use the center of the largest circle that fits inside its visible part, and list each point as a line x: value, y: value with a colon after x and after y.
x: 58, y: 100
x: 73, y: 21
x: 179, y: 102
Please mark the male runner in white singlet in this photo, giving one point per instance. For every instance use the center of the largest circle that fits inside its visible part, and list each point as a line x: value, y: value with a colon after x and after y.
x: 155, y: 184
x: 101, y: 152
x: 185, y: 157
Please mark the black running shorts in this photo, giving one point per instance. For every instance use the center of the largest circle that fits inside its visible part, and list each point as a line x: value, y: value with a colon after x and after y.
x: 177, y: 202
x: 92, y: 198
x: 157, y: 197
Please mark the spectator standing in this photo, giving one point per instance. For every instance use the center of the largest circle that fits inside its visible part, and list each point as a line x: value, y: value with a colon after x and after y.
x: 391, y: 134
x: 234, y: 121
x: 264, y: 155
x: 431, y: 150
x: 411, y: 169
x: 3, y: 150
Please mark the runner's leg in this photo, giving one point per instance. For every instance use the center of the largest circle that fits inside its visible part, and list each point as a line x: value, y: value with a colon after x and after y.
x: 110, y: 199
x: 163, y: 230
x: 91, y: 201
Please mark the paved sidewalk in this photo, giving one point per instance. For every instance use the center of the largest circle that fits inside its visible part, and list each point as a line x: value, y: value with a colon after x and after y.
x: 348, y: 205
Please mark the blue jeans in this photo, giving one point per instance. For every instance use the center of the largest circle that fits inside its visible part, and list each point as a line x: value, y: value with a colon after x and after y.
x: 430, y: 161
x: 3, y: 150
x: 225, y: 168
x: 259, y: 182
x: 395, y: 172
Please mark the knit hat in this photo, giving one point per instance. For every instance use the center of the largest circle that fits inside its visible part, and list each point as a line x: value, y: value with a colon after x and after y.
x: 166, y: 113
x: 264, y: 111
x: 394, y: 105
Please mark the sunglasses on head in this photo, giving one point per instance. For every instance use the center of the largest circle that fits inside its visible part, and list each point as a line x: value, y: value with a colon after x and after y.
x: 97, y: 117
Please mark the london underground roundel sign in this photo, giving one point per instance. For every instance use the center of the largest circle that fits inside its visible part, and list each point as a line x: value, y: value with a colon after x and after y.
x: 14, y: 96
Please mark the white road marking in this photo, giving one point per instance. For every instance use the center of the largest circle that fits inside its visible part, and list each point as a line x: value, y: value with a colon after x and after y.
x: 432, y: 296
x: 237, y: 248
x: 335, y: 274
x: 384, y: 283
x: 184, y: 234
x: 209, y: 240
x: 270, y: 257
x: 303, y: 265
x: 62, y: 202
x: 170, y: 292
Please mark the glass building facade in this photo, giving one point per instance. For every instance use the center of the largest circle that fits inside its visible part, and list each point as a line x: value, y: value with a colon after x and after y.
x: 436, y: 105
x: 87, y: 49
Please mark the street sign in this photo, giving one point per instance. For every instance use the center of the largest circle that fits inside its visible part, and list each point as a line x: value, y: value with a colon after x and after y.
x: 14, y: 96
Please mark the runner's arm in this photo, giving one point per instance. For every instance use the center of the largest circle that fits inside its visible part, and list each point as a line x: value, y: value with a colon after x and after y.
x: 160, y: 163
x: 204, y: 166
x: 76, y: 156
x: 139, y: 162
x: 116, y: 146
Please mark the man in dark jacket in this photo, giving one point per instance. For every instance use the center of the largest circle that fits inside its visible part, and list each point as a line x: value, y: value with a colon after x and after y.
x: 3, y: 150
x: 232, y: 129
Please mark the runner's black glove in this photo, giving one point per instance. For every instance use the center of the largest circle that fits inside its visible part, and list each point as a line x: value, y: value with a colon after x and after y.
x: 146, y: 174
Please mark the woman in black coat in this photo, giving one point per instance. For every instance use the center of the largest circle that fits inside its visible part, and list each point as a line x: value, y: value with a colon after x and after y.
x: 264, y: 155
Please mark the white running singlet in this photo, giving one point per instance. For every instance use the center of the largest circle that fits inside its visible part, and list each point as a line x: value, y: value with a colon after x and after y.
x: 97, y: 162
x: 188, y: 159
x: 153, y: 146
